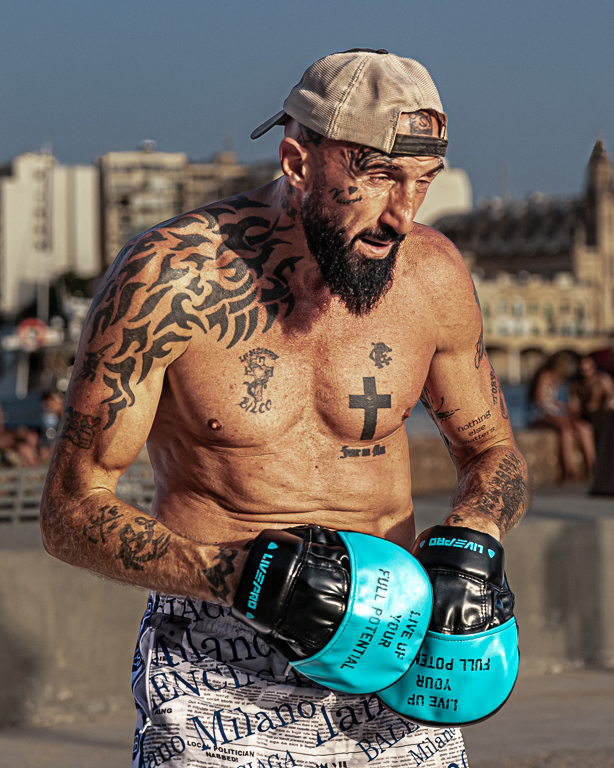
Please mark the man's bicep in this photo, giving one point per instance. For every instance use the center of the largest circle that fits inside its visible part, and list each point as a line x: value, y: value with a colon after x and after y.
x: 464, y: 398
x: 102, y: 439
x: 139, y: 323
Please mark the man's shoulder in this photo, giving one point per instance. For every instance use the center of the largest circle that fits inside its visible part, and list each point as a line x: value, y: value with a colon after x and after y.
x: 435, y: 259
x: 171, y: 248
x: 429, y: 244
x: 436, y: 266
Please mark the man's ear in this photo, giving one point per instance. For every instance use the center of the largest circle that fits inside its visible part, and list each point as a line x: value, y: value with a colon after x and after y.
x: 294, y: 160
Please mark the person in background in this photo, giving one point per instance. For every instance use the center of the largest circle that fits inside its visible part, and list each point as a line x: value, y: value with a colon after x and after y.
x: 592, y: 390
x: 18, y: 447
x: 592, y: 397
x: 604, y: 358
x: 550, y: 407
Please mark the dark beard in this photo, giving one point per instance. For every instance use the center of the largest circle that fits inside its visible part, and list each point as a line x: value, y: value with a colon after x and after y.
x: 360, y: 282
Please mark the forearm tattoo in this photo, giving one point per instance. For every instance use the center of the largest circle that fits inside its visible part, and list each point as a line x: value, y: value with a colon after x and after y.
x: 217, y: 575
x: 166, y: 271
x: 498, y: 492
x: 101, y: 523
x: 138, y: 543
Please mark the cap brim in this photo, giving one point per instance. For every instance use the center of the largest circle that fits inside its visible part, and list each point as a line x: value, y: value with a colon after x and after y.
x: 278, y: 119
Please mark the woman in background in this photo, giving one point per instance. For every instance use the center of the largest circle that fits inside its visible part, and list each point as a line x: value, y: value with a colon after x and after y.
x: 550, y: 405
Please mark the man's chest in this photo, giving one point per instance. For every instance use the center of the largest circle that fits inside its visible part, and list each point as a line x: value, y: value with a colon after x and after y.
x: 349, y: 386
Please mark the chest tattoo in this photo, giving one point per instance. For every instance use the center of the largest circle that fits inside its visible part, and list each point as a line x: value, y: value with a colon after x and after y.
x: 370, y: 402
x: 259, y: 369
x: 379, y: 354
x: 242, y: 294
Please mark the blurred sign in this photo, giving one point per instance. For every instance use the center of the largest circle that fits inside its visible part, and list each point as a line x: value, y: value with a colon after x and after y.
x: 32, y: 334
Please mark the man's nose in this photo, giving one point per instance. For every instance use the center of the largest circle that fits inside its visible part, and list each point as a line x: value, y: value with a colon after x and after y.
x: 400, y: 211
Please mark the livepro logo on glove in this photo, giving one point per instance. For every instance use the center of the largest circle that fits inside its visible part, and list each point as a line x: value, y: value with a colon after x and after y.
x: 461, y: 543
x: 264, y: 563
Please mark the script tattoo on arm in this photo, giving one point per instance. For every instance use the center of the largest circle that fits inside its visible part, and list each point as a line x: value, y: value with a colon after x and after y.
x: 165, y: 271
x: 495, y: 488
x: 497, y: 394
x: 218, y: 573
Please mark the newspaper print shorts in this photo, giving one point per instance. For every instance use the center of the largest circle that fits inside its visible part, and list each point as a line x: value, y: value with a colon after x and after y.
x: 209, y: 692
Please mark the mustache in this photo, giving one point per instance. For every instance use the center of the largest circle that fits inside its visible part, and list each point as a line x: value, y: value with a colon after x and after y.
x: 383, y: 234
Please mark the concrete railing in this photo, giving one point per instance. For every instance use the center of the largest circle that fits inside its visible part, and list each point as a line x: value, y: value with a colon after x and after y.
x: 432, y: 469
x: 21, y: 489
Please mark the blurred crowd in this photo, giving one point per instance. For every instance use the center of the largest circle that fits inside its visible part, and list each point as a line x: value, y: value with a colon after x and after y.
x: 575, y: 396
x: 28, y: 447
x: 569, y: 393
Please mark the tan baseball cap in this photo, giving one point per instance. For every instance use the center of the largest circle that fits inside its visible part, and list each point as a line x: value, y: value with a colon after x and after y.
x: 359, y: 96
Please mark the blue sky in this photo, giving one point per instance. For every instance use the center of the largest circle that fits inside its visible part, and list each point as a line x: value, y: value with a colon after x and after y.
x: 528, y: 86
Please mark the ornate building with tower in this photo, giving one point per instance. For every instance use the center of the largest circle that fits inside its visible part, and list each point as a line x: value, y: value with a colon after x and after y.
x: 543, y: 269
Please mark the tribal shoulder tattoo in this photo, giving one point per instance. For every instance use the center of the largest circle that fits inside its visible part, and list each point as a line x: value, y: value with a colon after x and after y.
x: 175, y: 281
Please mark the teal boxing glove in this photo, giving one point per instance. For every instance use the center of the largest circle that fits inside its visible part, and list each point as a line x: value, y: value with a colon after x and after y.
x: 468, y: 664
x: 347, y: 609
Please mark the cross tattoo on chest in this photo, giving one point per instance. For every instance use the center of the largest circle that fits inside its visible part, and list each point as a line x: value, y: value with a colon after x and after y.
x: 371, y: 402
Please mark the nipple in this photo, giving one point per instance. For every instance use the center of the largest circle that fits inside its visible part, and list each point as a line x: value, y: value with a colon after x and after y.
x: 214, y: 424
x: 407, y: 414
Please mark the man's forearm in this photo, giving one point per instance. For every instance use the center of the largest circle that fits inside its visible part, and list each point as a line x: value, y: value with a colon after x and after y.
x: 492, y: 494
x: 106, y: 535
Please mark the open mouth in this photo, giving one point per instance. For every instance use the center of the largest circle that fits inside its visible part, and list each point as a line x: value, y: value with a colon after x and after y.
x: 377, y: 246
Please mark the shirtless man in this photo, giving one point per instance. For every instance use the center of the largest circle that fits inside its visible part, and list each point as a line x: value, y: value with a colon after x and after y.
x: 268, y: 348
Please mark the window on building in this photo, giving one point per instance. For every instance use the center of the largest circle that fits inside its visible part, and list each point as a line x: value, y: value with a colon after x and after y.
x: 502, y: 306
x: 518, y: 307
x: 486, y: 309
x: 580, y: 314
x: 534, y: 307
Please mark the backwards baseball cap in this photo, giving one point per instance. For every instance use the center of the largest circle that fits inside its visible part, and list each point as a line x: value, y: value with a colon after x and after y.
x: 359, y: 96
